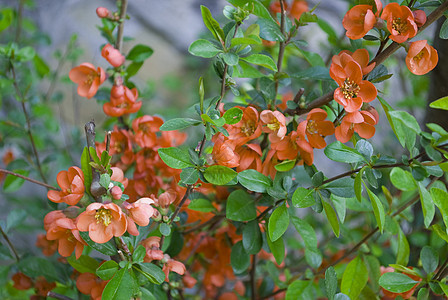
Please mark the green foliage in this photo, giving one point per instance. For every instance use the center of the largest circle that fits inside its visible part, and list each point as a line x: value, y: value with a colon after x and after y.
x: 396, y: 282
x: 240, y: 207
x: 354, y: 278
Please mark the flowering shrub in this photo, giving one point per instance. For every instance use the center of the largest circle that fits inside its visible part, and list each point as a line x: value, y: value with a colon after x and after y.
x: 149, y: 213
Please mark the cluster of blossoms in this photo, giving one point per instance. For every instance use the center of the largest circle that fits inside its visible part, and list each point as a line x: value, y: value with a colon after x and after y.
x: 402, y: 25
x: 41, y: 285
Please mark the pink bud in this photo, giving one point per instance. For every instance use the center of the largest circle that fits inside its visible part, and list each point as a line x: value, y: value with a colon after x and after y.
x: 112, y: 55
x: 116, y: 192
x: 102, y: 12
x: 419, y: 17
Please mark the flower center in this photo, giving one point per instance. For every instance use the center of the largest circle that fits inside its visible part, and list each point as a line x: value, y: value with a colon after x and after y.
x: 399, y: 25
x: 104, y: 216
x: 248, y: 128
x: 143, y: 127
x: 350, y: 89
x: 274, y: 125
x: 419, y: 56
x: 90, y: 78
x: 311, y: 127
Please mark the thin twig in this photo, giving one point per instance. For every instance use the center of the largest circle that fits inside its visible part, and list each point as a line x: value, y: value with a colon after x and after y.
x: 439, y: 274
x: 253, y: 282
x: 205, y: 224
x: 30, y: 179
x: 28, y: 123
x: 11, y: 246
x: 282, y: 45
x: 95, y: 188
x: 58, y: 296
x: 119, y: 41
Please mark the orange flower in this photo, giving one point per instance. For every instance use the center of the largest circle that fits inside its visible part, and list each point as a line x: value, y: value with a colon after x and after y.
x: 400, y: 22
x: 298, y: 7
x: 274, y: 124
x: 118, y: 175
x: 152, y: 246
x: 224, y: 154
x: 71, y: 183
x: 145, y: 129
x: 404, y: 295
x: 421, y: 57
x: 362, y: 122
x: 247, y: 129
x: 360, y: 19
x: 269, y: 163
x: 89, y: 284
x: 88, y: 79
x: 122, y: 101
x: 48, y: 247
x: 139, y: 212
x: 250, y: 157
x: 42, y: 286
x: 352, y: 90
x: 21, y: 281
x: 112, y: 55
x: 315, y: 127
x: 102, y: 221
x: 419, y: 17
x: 287, y: 148
x: 65, y: 232
x: 172, y: 265
x: 361, y: 56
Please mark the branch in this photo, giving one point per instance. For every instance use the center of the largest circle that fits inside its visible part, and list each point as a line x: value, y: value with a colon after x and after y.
x: 119, y: 41
x: 282, y: 45
x: 379, y: 59
x: 28, y: 123
x: 50, y: 187
x: 58, y: 296
x: 214, y: 219
x: 11, y: 246
x: 253, y: 283
x: 95, y: 188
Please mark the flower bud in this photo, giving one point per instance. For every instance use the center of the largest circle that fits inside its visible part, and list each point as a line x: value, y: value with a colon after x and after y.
x: 102, y: 12
x: 419, y: 17
x: 116, y: 192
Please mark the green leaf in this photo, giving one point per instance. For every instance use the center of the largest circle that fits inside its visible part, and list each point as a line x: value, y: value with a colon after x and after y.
x: 230, y: 58
x: 331, y: 282
x: 254, y: 181
x: 203, y: 48
x: 443, y: 34
x: 7, y: 16
x: 25, y: 54
x: 202, y: 205
x: 306, y: 231
x: 83, y: 264
x: 119, y: 287
x: 342, y: 187
x: 105, y: 180
x: 139, y: 254
x: 106, y: 248
x: 277, y: 249
x: 261, y: 60
x: 440, y: 198
x: 429, y: 258
x: 253, y: 40
x: 233, y: 115
x: 13, y: 183
x: 441, y: 103
x: 270, y: 30
x: 139, y: 53
x: 443, y: 286
x: 423, y: 294
x: 245, y: 70
x: 339, y: 204
x: 427, y: 204
x: 107, y: 270
x: 133, y: 69
x: 257, y: 8
x: 403, y: 249
x: 314, y: 59
x: 219, y: 175
x: 252, y: 239
x: 337, y: 151
x: 285, y: 165
x: 440, y: 232
x: 239, y: 259
x: 303, y: 198
x: 189, y: 175
x: 240, y: 207
x: 397, y: 282
x: 15, y: 217
x: 212, y: 24
x: 33, y: 267
x: 41, y: 66
x: 278, y: 222
x: 152, y: 272
x: 175, y: 158
x: 315, y: 73
x: 86, y: 169
x: 299, y: 290
x: 332, y: 218
x: 354, y: 278
x: 358, y: 184
x: 378, y: 209
x: 164, y: 229
x: 402, y: 179
x: 178, y: 124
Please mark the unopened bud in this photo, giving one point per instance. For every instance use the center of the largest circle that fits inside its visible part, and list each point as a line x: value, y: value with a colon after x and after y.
x: 166, y: 219
x: 116, y: 192
x: 102, y: 12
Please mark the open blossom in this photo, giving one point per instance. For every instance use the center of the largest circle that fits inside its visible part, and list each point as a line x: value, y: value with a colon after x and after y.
x: 152, y: 246
x: 145, y: 129
x: 400, y: 22
x: 112, y: 55
x: 90, y: 284
x: 298, y: 7
x: 88, y: 79
x: 71, y: 183
x: 224, y: 154
x: 274, y: 124
x: 362, y: 122
x: 102, y: 221
x: 247, y: 129
x: 316, y: 127
x: 122, y: 101
x: 21, y: 281
x: 361, y: 56
x: 352, y: 90
x: 65, y: 232
x: 48, y: 247
x: 250, y: 157
x: 139, y: 213
x: 360, y: 19
x: 172, y: 266
x: 421, y: 57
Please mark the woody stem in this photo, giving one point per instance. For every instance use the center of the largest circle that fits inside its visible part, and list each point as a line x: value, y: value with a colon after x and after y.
x: 29, y: 179
x: 119, y: 41
x: 11, y: 246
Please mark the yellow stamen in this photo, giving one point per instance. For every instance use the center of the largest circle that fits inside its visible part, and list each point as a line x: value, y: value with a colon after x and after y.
x: 419, y: 56
x: 103, y: 215
x: 274, y: 125
x: 399, y: 25
x: 311, y: 127
x: 350, y: 89
x: 248, y: 128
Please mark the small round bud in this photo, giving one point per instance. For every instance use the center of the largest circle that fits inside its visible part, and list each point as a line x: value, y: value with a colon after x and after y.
x: 102, y: 12
x: 116, y: 192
